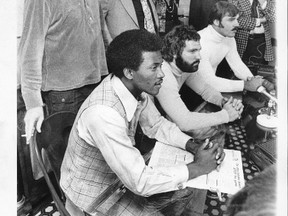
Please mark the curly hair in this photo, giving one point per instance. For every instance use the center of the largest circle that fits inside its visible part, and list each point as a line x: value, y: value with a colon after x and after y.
x: 125, y: 51
x: 221, y: 9
x: 174, y: 41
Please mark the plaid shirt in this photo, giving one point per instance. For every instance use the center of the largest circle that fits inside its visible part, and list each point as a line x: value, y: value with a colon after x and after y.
x: 247, y: 23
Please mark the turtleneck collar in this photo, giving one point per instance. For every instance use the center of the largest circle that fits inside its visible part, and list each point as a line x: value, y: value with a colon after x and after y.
x: 216, y: 36
x: 176, y: 71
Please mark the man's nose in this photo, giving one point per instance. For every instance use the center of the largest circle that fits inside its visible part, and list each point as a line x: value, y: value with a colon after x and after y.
x: 236, y: 23
x: 160, y: 73
x: 198, y: 56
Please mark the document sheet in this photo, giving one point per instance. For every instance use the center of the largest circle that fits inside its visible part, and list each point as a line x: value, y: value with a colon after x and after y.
x: 229, y: 179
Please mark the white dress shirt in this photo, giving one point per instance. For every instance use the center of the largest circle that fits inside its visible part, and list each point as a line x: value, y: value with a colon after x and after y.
x: 105, y: 128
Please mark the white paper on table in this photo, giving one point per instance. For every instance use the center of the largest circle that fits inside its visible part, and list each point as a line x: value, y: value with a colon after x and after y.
x: 229, y: 179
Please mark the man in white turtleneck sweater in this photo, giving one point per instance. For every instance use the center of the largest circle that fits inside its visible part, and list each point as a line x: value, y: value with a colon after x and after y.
x: 218, y: 42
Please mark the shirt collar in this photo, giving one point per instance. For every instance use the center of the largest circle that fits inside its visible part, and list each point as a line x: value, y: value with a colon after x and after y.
x: 128, y: 100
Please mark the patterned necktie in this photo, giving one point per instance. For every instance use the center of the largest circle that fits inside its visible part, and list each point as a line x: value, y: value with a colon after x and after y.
x: 254, y: 13
x: 148, y: 19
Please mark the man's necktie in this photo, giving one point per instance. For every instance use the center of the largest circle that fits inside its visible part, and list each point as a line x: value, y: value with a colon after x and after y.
x: 148, y: 19
x: 254, y: 13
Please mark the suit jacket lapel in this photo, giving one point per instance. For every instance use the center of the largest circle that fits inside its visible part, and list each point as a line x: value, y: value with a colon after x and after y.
x: 129, y: 7
x: 154, y: 12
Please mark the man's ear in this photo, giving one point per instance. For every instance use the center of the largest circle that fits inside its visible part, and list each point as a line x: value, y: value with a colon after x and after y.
x: 216, y: 22
x: 128, y: 73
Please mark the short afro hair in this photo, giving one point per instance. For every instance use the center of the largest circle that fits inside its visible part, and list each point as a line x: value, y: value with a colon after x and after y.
x: 126, y: 50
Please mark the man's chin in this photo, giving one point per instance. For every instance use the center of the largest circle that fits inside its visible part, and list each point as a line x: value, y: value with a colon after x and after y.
x: 195, y: 68
x: 192, y: 69
x: 154, y: 92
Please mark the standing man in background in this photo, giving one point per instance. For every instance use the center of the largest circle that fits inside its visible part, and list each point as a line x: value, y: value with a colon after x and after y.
x: 253, y: 37
x: 123, y: 15
x: 61, y: 56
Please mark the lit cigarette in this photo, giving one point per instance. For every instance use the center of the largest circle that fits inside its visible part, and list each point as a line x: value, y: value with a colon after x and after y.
x: 24, y: 135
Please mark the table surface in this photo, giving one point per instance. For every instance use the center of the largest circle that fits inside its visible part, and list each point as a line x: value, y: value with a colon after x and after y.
x: 236, y: 140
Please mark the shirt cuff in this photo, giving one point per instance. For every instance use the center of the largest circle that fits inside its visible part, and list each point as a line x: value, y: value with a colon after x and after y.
x: 181, y: 175
x: 183, y: 140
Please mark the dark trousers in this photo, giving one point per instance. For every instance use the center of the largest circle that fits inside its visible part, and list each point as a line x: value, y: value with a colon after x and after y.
x: 255, y: 50
x: 69, y: 100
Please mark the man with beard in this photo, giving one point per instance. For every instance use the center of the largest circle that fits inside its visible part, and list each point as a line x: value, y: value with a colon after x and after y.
x: 218, y: 42
x: 181, y: 54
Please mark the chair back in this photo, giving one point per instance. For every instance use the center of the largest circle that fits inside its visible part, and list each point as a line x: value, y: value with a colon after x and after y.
x: 51, y: 143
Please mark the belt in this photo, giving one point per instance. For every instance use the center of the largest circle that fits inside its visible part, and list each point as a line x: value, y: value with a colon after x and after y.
x: 254, y: 36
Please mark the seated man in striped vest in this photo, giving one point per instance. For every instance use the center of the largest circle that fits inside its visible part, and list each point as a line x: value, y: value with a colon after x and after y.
x: 101, y: 146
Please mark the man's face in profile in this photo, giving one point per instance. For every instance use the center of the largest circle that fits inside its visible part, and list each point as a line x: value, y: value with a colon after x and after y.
x: 189, y: 59
x: 228, y: 26
x: 149, y: 76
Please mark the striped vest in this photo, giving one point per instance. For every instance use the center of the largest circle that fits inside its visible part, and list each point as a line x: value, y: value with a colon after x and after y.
x: 84, y: 172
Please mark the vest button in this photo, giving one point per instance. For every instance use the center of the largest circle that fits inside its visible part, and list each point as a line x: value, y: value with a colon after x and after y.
x: 63, y: 100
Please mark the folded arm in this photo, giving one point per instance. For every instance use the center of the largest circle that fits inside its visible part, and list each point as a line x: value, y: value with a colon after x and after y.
x: 170, y: 100
x: 220, y: 84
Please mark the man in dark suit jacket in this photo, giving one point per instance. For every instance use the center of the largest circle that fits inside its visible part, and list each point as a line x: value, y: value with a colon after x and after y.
x: 123, y: 15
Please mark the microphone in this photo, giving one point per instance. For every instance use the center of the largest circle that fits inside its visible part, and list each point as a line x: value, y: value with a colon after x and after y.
x: 262, y: 90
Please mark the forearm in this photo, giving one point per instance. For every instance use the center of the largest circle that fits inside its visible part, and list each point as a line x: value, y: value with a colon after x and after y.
x: 31, y: 50
x: 156, y: 126
x: 185, y: 119
x: 247, y: 22
x: 238, y: 67
x: 197, y: 121
x: 206, y: 91
x: 269, y: 11
x: 225, y: 85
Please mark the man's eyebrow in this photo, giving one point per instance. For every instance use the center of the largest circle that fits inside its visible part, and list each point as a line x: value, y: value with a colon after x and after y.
x: 194, y: 49
x: 233, y: 18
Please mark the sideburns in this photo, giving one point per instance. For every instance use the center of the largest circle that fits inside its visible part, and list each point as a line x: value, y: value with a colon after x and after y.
x: 220, y: 24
